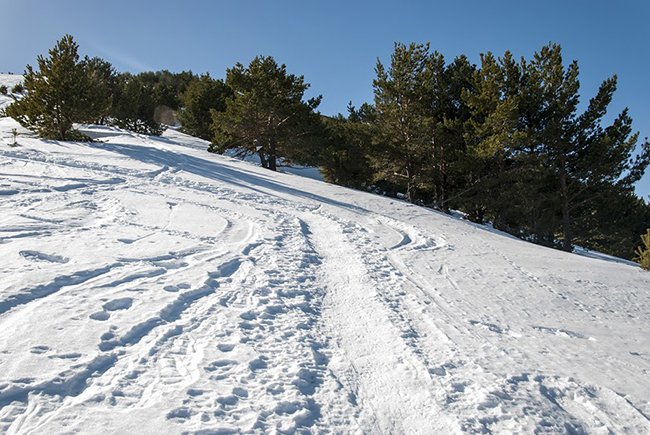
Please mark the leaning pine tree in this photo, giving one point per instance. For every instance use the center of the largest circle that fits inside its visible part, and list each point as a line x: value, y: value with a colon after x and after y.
x: 58, y: 94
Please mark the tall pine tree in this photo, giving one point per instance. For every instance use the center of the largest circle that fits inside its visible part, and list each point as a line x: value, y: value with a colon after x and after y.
x: 403, y: 118
x: 59, y: 94
x: 586, y: 158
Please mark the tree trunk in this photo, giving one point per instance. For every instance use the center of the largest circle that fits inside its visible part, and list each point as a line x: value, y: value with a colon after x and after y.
x: 410, y: 191
x: 272, y: 155
x: 263, y: 159
x: 567, y: 244
x: 442, y: 197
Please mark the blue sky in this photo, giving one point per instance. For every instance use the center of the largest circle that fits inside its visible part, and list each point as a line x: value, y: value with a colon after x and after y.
x: 335, y: 44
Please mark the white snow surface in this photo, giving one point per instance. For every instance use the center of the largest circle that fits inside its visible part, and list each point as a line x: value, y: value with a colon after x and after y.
x: 9, y: 80
x: 150, y: 287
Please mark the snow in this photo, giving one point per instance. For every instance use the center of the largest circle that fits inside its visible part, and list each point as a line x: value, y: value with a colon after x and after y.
x: 150, y: 287
x: 9, y: 80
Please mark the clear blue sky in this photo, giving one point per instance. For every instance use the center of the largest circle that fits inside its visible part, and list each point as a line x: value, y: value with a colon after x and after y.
x: 335, y: 44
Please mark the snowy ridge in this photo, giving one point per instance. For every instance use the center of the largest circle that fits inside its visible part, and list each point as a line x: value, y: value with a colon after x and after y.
x: 151, y: 287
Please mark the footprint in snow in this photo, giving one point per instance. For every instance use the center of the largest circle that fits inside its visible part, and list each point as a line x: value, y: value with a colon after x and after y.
x: 39, y: 256
x: 489, y: 326
x: 118, y: 304
x: 249, y: 315
x: 66, y: 356
x: 563, y: 333
x: 225, y: 347
x: 100, y: 316
x: 227, y: 401
x: 181, y: 414
x: 219, y: 364
x: 240, y: 392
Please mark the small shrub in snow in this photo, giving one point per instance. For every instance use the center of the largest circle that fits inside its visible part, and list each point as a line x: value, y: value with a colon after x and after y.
x: 643, y: 252
x: 18, y: 89
x: 3, y: 89
x: 15, y: 134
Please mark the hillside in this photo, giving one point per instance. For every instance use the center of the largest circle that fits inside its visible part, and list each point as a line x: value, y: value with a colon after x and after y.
x: 9, y: 80
x: 150, y: 287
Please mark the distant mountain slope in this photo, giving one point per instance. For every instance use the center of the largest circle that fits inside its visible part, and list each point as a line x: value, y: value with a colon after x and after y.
x: 150, y: 287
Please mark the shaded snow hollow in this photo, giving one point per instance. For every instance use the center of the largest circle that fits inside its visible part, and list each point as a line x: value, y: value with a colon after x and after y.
x: 150, y: 287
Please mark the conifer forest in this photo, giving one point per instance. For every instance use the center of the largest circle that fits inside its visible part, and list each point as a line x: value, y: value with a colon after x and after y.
x: 508, y: 142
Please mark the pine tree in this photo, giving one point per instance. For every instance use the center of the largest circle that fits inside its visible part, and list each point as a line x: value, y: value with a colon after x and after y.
x: 447, y: 179
x: 57, y: 94
x: 134, y: 106
x: 344, y: 157
x: 403, y: 122
x: 201, y: 97
x: 506, y: 183
x: 586, y: 158
x: 102, y: 88
x: 266, y: 114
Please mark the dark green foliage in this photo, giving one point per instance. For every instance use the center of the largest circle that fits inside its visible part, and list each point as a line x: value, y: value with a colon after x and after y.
x: 403, y: 122
x: 201, y: 97
x: 587, y: 159
x: 3, y: 89
x: 344, y: 155
x: 540, y: 170
x: 58, y: 94
x: 419, y: 140
x: 504, y: 182
x: 612, y: 223
x: 18, y: 88
x: 146, y: 102
x: 451, y: 159
x: 134, y: 106
x: 266, y: 115
x: 167, y: 88
x: 104, y: 84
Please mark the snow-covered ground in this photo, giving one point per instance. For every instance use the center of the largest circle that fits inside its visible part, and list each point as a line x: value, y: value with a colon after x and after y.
x: 9, y: 80
x: 149, y: 287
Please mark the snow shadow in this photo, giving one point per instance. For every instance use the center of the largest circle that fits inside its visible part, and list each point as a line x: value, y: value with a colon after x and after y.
x: 213, y: 170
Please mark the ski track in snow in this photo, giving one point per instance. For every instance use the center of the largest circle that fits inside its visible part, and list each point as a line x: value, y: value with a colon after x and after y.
x: 159, y: 289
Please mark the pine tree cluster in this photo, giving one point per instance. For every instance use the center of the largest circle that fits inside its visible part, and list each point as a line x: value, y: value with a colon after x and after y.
x: 502, y: 141
x: 67, y: 90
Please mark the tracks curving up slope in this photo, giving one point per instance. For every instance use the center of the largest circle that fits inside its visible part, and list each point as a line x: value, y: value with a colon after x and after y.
x: 150, y: 287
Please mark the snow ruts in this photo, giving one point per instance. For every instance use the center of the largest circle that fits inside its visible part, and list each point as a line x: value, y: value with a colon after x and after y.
x: 151, y: 288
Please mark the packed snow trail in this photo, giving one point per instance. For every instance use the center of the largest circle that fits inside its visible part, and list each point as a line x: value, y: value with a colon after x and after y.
x: 151, y: 287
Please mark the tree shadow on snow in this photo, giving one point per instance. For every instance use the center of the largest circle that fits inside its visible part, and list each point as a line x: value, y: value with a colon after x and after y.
x: 214, y: 171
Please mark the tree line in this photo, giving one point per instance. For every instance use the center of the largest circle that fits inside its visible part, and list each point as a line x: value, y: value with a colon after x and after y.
x: 503, y: 141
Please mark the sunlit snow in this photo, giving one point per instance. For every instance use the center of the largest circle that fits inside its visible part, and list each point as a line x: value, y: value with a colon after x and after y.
x: 150, y: 287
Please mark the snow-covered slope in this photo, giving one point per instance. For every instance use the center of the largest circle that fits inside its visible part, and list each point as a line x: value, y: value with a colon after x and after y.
x: 149, y: 287
x: 9, y: 80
